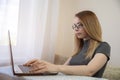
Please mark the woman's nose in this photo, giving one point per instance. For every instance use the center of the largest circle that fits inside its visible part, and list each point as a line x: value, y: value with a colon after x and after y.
x: 76, y: 29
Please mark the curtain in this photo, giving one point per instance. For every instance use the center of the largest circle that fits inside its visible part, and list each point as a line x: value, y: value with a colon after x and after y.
x: 36, y: 32
x: 8, y: 21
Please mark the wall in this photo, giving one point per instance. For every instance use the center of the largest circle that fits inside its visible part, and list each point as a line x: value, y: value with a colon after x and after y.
x: 65, y: 33
x: 108, y: 14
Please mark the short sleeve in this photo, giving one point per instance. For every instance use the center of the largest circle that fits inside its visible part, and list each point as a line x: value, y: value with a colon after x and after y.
x: 103, y: 48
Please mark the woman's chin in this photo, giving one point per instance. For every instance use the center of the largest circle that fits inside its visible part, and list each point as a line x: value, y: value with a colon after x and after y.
x: 79, y: 37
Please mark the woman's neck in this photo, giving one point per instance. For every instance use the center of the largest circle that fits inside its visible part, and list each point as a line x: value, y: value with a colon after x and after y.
x: 87, y: 38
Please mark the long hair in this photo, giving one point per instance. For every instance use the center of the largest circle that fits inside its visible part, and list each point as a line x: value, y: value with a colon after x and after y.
x: 93, y: 29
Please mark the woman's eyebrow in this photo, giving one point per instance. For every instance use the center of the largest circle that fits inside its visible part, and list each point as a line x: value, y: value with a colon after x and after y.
x: 79, y: 23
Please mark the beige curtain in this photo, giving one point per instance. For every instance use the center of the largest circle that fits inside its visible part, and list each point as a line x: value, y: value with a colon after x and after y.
x: 36, y: 31
x: 50, y: 36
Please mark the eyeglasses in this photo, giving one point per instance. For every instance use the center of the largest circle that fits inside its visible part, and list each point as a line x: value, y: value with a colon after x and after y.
x: 77, y: 26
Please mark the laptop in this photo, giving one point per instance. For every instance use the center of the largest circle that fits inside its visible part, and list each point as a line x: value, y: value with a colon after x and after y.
x: 21, y: 70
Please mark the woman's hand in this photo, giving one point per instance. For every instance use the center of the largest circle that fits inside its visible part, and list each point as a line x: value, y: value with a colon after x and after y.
x: 39, y: 66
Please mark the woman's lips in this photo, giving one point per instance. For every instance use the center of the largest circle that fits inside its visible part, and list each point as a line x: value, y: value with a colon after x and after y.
x: 78, y: 33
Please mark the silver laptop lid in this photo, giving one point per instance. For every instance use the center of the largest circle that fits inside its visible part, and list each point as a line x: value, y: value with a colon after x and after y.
x: 11, y: 54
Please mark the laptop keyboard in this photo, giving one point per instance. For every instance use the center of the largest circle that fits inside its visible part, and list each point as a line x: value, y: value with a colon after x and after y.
x: 24, y: 69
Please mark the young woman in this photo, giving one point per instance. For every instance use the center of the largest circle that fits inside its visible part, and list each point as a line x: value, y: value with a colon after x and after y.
x: 91, y: 54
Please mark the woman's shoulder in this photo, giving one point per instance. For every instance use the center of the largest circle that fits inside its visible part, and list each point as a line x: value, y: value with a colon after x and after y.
x: 104, y: 44
x: 104, y: 48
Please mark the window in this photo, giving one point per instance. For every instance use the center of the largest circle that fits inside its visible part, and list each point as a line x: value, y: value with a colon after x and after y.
x: 8, y: 20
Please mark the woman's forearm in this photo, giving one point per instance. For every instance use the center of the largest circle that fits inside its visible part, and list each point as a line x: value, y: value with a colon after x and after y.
x: 74, y: 70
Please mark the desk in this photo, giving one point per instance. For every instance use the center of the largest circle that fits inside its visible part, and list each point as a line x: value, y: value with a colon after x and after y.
x: 60, y: 76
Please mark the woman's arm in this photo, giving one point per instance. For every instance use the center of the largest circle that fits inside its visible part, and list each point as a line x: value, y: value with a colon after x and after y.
x: 86, y: 70
x: 68, y: 60
x: 93, y: 66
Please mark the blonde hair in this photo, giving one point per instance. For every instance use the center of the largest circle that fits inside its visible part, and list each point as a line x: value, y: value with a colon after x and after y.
x: 93, y: 29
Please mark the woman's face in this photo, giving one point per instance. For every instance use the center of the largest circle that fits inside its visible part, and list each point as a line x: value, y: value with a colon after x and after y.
x: 79, y: 29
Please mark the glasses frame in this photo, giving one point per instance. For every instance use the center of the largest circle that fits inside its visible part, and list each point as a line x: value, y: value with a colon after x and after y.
x: 77, y: 26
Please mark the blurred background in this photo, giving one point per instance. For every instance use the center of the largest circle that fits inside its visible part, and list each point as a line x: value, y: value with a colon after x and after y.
x: 43, y: 28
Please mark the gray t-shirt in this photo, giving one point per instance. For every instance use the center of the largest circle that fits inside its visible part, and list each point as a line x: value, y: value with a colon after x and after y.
x: 79, y: 59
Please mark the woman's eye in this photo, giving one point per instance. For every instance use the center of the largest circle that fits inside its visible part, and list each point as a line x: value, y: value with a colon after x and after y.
x: 79, y: 24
